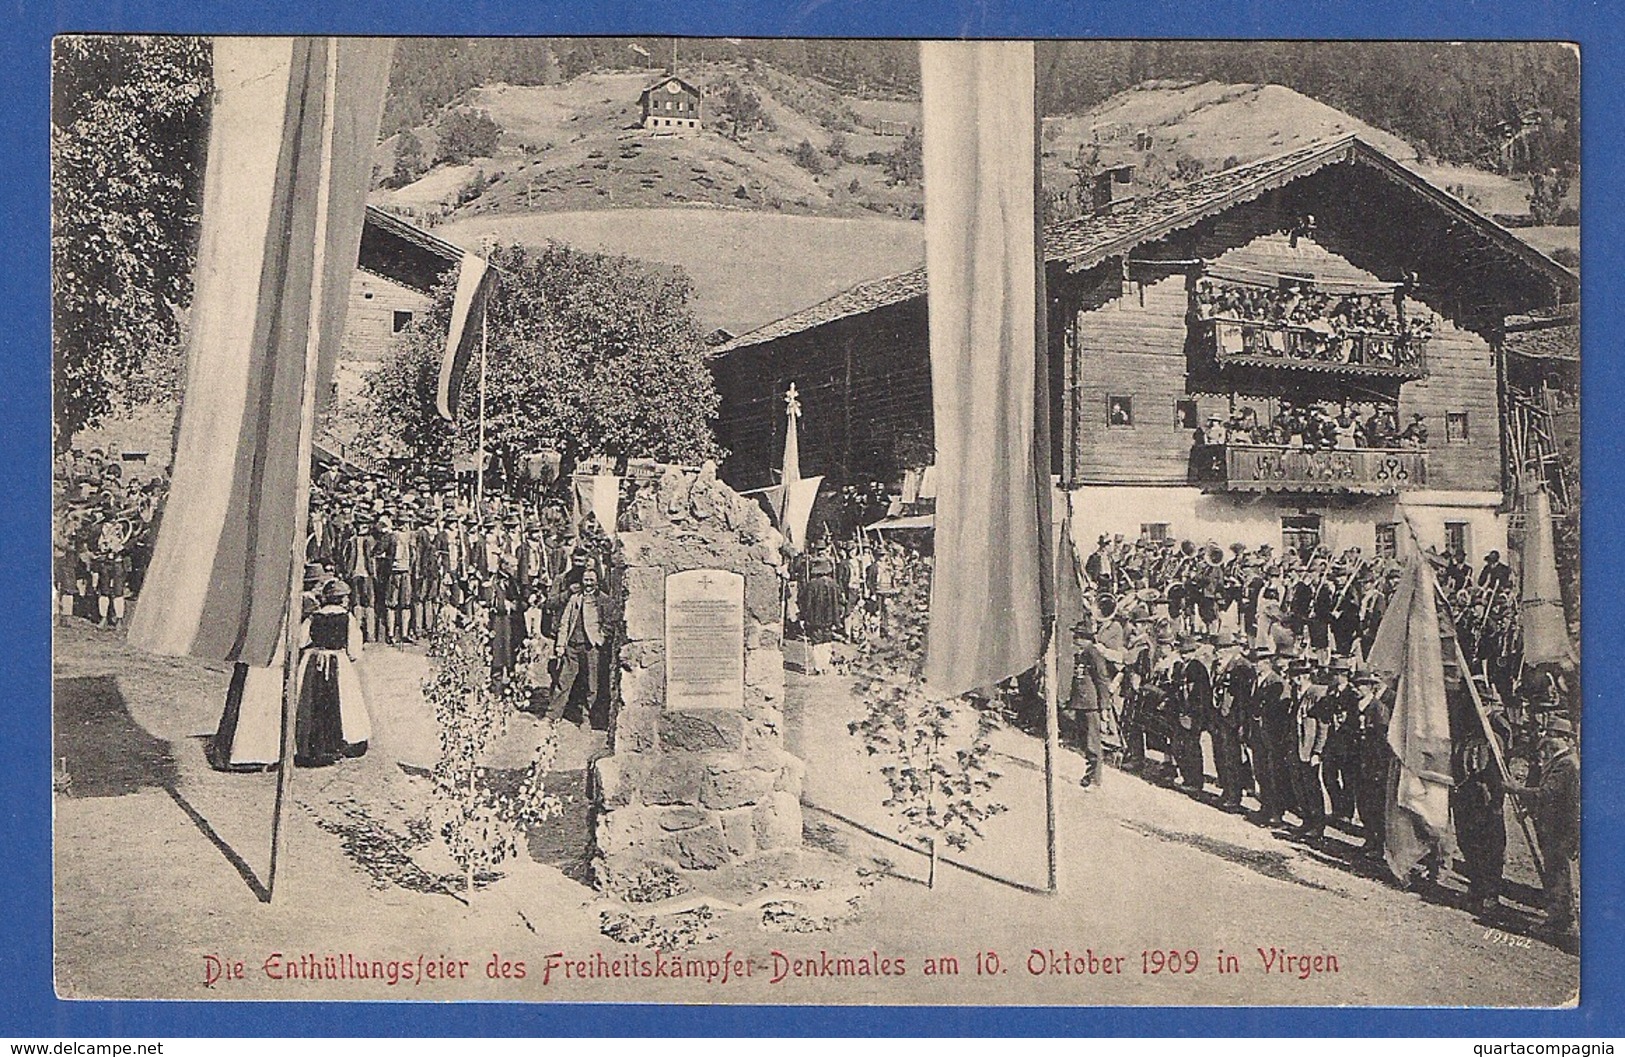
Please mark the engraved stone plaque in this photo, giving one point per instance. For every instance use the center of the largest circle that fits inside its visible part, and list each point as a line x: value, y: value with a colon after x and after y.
x: 705, y: 639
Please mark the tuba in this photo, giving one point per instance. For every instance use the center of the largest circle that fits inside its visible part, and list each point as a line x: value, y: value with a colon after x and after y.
x: 1213, y: 554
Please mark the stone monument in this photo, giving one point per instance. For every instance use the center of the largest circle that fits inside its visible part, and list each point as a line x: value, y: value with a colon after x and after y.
x: 697, y: 780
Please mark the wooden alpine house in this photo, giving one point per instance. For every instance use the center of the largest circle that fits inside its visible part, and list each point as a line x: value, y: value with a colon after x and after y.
x: 1242, y: 358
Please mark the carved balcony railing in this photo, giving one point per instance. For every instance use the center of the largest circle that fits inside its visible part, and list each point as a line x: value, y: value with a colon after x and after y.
x: 1246, y: 343
x: 1275, y: 468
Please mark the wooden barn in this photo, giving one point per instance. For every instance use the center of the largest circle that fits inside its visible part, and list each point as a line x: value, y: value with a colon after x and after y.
x: 671, y: 104
x: 1330, y: 278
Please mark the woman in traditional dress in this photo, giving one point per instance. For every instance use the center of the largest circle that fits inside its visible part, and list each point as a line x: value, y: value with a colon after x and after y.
x: 249, y: 735
x: 821, y: 610
x: 332, y: 721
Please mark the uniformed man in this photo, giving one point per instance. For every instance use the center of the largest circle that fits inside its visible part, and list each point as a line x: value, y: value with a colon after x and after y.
x: 1233, y: 692
x: 1091, y: 686
x: 1269, y: 736
x: 1341, y: 770
x: 1374, y: 710
x: 1312, y: 715
x: 1556, y: 801
x: 1478, y: 806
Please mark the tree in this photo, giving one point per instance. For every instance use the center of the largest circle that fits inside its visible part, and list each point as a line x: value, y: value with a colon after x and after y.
x: 481, y: 818
x: 588, y: 353
x: 741, y: 107
x: 906, y: 164
x: 807, y: 156
x: 1546, y: 194
x: 466, y: 133
x: 934, y: 753
x: 409, y: 160
x: 128, y: 121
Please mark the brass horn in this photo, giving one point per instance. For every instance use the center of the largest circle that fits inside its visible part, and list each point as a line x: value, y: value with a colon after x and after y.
x: 1214, y: 554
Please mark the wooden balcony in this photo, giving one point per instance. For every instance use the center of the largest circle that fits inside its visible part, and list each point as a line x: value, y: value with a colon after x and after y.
x: 1274, y: 468
x: 1281, y: 346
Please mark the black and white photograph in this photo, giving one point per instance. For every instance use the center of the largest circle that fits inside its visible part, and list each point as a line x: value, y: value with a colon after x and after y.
x: 825, y: 521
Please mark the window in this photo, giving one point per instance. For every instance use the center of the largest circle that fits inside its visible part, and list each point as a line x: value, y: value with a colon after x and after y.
x: 1154, y: 531
x: 366, y: 295
x: 401, y: 321
x: 1185, y: 414
x: 1300, y: 533
x: 1387, y: 539
x: 1120, y: 411
x: 1457, y: 538
x: 1455, y: 427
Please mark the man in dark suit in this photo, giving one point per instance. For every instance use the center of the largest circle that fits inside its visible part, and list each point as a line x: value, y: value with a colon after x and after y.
x: 1269, y: 738
x: 1195, y: 706
x: 1496, y: 574
x: 1341, y: 769
x: 1312, y: 716
x: 1233, y: 693
x: 1091, y: 683
x: 1374, y: 710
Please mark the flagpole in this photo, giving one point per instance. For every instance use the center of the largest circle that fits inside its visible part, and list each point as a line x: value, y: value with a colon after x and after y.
x: 479, y: 480
x: 1057, y: 646
x: 1052, y: 752
x: 294, y: 618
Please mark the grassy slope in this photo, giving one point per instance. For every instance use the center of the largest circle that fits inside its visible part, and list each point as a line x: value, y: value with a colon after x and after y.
x: 575, y: 145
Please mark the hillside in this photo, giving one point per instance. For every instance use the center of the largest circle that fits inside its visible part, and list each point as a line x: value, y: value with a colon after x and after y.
x: 762, y: 235
x: 576, y: 145
x: 1197, y: 128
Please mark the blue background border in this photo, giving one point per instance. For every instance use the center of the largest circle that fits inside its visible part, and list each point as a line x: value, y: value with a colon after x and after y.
x: 28, y: 1006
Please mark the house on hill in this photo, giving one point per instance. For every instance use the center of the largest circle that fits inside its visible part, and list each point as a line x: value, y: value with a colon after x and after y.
x: 671, y: 104
x: 1330, y: 276
x: 399, y: 265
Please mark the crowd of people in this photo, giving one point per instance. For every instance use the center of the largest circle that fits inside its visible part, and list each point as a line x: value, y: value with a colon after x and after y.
x: 1300, y: 321
x: 414, y: 554
x: 1263, y: 654
x: 103, y: 526
x: 1315, y: 427
x: 847, y: 591
x: 387, y: 560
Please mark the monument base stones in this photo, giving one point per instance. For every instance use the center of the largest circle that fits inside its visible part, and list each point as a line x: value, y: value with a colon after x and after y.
x: 698, y: 791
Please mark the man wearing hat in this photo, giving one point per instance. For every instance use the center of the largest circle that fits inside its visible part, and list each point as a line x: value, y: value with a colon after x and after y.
x: 1313, y: 716
x: 354, y: 563
x: 1234, y: 693
x: 1372, y: 713
x: 403, y: 582
x: 1478, y: 808
x: 1091, y: 683
x: 1101, y: 567
x: 1194, y: 703
x: 383, y: 568
x: 1341, y: 771
x: 428, y: 569
x: 1555, y: 799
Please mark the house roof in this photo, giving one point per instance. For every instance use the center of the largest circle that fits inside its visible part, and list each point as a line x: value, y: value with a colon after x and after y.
x: 1551, y: 335
x: 667, y: 80
x: 403, y: 253
x: 1083, y: 242
x: 399, y: 228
